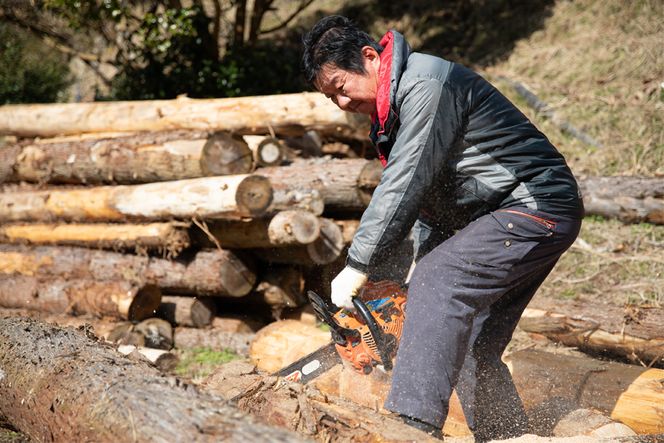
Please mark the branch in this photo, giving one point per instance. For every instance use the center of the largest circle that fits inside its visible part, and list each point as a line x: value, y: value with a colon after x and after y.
x: 259, y: 10
x: 290, y: 18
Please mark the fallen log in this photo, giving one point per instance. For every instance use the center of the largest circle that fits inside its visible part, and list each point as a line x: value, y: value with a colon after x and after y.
x: 629, y: 394
x: 631, y: 332
x: 286, y: 228
x: 346, y: 185
x: 232, y: 196
x: 325, y: 249
x: 284, y: 114
x: 96, y: 394
x: 137, y: 158
x: 167, y: 238
x: 119, y: 299
x: 209, y: 272
x: 629, y: 199
x: 267, y: 151
x: 187, y: 311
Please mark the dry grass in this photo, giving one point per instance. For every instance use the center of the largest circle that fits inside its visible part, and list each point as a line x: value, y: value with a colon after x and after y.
x: 600, y: 65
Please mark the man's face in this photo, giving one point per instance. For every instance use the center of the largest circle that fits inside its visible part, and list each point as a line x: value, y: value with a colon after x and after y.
x: 351, y: 91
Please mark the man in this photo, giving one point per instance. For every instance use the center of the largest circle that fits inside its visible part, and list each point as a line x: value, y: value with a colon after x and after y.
x: 493, y: 203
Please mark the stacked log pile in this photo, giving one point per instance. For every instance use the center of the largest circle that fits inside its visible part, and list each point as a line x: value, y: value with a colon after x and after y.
x: 196, y: 222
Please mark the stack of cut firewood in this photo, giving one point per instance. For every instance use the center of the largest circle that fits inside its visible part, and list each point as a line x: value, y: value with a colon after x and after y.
x: 178, y: 208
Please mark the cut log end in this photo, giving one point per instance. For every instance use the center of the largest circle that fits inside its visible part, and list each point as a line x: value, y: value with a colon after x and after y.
x: 224, y: 154
x: 254, y: 195
x: 294, y: 227
x: 144, y: 304
x: 237, y: 279
x: 329, y: 244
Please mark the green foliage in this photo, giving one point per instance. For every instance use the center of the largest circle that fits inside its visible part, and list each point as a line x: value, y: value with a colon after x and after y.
x: 28, y: 72
x: 199, y: 362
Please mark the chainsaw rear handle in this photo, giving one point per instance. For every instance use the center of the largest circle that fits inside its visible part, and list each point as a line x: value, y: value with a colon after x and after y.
x: 340, y: 335
x: 375, y: 330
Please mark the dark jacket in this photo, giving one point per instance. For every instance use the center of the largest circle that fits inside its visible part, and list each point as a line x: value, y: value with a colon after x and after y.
x: 454, y: 149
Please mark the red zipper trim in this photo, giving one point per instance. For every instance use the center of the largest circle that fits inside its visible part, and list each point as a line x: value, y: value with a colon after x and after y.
x: 548, y: 223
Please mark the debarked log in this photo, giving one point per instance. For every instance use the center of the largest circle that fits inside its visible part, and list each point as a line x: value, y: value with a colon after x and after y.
x: 286, y: 228
x: 138, y: 158
x: 168, y: 238
x: 119, y: 299
x: 95, y: 394
x: 325, y: 249
x: 267, y: 151
x: 209, y: 272
x: 231, y: 196
x: 284, y: 114
x: 636, y: 333
x: 346, y: 185
x: 629, y: 199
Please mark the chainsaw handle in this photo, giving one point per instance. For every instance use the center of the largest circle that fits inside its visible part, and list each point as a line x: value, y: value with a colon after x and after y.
x: 375, y: 331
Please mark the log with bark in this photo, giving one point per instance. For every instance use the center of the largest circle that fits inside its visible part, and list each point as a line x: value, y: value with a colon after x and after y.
x: 231, y: 196
x: 95, y: 394
x: 166, y: 238
x: 119, y: 299
x: 629, y: 199
x: 550, y: 385
x: 267, y: 151
x: 208, y: 272
x: 345, y: 184
x: 286, y: 228
x: 636, y: 333
x: 325, y: 249
x: 280, y: 287
x: 284, y: 114
x: 138, y: 158
x: 163, y: 360
x: 187, y: 311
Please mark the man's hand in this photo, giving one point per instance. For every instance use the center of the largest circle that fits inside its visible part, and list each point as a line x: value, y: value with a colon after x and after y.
x: 345, y: 286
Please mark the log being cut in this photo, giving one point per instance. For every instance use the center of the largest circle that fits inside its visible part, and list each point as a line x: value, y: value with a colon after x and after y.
x: 119, y: 299
x: 126, y: 159
x: 209, y: 272
x: 233, y: 196
x: 95, y: 394
x: 283, y: 114
x: 168, y: 238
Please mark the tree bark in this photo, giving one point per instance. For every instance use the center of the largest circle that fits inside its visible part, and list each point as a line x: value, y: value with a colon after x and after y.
x: 345, y: 184
x: 632, y: 332
x: 209, y: 272
x: 325, y: 249
x: 286, y: 228
x: 231, y: 196
x: 137, y: 158
x: 629, y: 199
x: 285, y: 114
x: 117, y: 299
x: 95, y: 394
x: 167, y: 238
x: 187, y: 311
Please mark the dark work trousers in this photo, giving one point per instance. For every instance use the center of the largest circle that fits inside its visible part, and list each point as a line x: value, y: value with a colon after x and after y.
x: 464, y: 300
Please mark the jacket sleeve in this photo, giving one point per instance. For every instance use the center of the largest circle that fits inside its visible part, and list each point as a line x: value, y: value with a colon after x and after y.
x: 429, y: 125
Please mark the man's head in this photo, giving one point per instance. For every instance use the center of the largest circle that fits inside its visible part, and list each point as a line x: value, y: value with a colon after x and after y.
x: 342, y: 62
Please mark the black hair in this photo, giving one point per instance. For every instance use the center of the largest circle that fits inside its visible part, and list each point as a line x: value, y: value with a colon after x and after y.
x: 336, y: 40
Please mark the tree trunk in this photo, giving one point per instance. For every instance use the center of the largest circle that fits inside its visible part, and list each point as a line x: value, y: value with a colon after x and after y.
x: 267, y: 151
x: 168, y: 238
x: 138, y: 158
x: 211, y: 197
x: 95, y: 394
x: 213, y: 272
x: 629, y: 199
x: 285, y: 114
x: 631, y: 332
x: 325, y: 249
x: 118, y: 299
x: 187, y: 311
x: 286, y: 228
x: 345, y: 184
x: 550, y: 385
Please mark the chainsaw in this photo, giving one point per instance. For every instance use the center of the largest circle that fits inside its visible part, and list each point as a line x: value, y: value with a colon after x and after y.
x: 367, y: 338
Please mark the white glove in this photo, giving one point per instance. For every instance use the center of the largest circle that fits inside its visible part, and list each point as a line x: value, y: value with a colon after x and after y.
x: 345, y: 286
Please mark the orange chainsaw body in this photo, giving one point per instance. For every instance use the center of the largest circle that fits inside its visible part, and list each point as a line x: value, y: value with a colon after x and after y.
x: 387, y: 302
